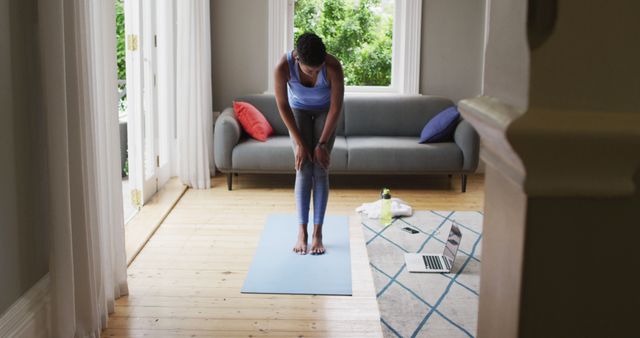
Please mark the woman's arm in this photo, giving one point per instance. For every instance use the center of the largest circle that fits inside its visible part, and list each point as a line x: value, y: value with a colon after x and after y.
x: 336, y: 77
x: 281, y: 77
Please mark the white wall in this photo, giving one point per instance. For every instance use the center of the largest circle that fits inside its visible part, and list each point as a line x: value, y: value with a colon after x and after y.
x: 506, y: 74
x: 239, y: 49
x: 452, y: 48
x: 23, y: 238
x: 451, y: 52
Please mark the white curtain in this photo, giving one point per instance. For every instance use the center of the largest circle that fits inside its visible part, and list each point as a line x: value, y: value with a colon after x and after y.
x: 88, y: 264
x: 193, y: 90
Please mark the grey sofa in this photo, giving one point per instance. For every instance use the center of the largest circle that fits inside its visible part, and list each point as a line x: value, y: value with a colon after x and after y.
x: 375, y: 135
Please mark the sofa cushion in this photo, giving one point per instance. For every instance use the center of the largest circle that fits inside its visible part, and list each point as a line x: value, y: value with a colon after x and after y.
x: 401, y: 154
x: 441, y: 127
x: 390, y: 115
x: 252, y: 121
x: 276, y: 155
x: 339, y: 154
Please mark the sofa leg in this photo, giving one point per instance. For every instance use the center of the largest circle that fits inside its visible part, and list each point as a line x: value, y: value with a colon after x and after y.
x: 464, y: 182
x: 229, y: 181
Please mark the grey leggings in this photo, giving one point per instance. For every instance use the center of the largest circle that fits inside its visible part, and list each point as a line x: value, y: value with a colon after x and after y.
x: 311, y: 176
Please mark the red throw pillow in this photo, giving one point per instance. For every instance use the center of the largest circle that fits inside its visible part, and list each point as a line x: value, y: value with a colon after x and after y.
x: 252, y: 120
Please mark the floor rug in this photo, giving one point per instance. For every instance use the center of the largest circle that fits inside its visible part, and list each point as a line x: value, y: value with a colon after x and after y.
x: 426, y: 304
x: 277, y: 269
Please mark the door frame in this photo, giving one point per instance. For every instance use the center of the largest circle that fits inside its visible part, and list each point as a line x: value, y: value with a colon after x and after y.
x: 141, y: 100
x: 151, y: 103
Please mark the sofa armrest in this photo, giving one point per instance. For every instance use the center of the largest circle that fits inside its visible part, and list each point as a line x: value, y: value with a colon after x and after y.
x: 469, y: 142
x: 226, y: 136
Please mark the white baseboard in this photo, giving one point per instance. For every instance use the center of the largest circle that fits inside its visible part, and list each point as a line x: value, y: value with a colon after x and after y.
x: 29, y: 316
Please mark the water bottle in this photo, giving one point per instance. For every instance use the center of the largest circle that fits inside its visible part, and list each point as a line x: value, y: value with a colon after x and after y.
x: 385, y: 212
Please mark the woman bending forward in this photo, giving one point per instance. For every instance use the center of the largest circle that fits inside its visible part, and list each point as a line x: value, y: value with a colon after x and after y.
x: 309, y: 88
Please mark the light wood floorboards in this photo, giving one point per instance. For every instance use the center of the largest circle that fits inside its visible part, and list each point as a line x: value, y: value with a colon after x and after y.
x: 143, y: 225
x: 186, y: 281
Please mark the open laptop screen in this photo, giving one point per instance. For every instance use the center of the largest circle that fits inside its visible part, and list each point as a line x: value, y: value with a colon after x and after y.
x: 453, y: 242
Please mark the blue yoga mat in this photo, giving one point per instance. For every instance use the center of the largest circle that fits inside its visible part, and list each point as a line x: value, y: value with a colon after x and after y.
x: 277, y: 269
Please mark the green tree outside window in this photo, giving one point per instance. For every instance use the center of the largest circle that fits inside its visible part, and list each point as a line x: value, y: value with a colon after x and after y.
x: 121, y: 54
x: 358, y: 32
x: 120, y: 47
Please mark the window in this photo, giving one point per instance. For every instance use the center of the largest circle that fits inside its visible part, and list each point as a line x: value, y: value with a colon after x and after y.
x: 377, y: 41
x: 358, y: 32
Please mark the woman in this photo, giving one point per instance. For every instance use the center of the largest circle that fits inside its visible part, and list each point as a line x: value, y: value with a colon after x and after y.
x: 309, y: 88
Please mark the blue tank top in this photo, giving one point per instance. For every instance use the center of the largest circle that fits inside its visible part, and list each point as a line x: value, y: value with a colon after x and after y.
x: 317, y: 97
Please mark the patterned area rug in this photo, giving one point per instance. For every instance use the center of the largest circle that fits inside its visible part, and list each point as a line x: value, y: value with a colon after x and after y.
x: 426, y: 304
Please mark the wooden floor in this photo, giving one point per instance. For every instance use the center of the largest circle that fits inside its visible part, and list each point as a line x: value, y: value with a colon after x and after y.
x: 186, y: 281
x: 143, y: 225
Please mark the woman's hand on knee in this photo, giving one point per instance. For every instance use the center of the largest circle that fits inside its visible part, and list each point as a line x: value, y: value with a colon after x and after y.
x: 302, y: 153
x: 321, y: 155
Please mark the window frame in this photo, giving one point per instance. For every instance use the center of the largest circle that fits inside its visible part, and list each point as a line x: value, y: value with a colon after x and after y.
x: 405, y: 67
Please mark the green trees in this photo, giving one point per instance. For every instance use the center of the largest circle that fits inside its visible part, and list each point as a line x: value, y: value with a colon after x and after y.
x: 120, y: 47
x: 121, y: 56
x: 358, y: 32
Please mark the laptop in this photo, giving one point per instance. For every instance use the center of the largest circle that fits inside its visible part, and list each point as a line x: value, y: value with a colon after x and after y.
x: 419, y: 262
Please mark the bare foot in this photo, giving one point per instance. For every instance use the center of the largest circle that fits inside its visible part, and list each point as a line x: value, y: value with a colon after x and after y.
x: 301, y: 244
x: 316, y: 245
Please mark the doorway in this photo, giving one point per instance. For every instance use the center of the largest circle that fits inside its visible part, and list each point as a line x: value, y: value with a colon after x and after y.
x: 146, y: 74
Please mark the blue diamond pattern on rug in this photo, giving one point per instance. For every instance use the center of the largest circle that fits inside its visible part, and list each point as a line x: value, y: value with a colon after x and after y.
x: 426, y: 304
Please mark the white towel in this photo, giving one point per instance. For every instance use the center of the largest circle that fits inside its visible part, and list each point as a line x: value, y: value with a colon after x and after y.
x: 398, y: 208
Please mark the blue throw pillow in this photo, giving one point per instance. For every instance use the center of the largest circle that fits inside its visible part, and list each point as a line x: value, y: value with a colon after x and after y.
x: 440, y: 127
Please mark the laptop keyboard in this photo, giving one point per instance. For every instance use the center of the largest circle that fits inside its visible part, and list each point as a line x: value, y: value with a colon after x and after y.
x: 432, y: 262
